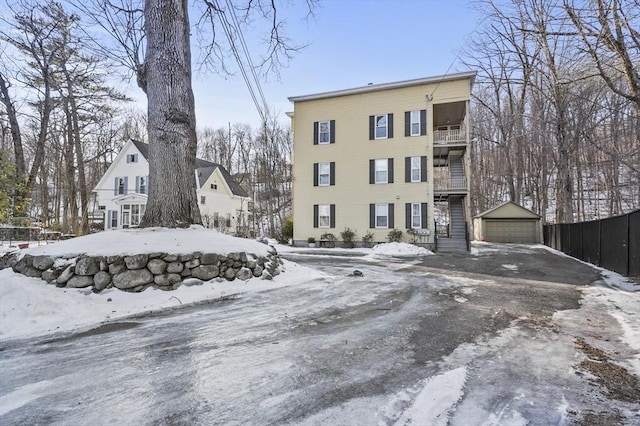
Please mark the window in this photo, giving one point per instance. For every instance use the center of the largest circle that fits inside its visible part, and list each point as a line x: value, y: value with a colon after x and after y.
x: 415, y: 169
x: 324, y: 216
x: 203, y: 199
x: 381, y: 170
x: 113, y: 219
x: 121, y: 186
x: 137, y: 211
x: 323, y: 174
x: 324, y: 132
x: 382, y: 175
x: 214, y: 186
x: 141, y: 184
x: 216, y: 220
x: 381, y: 126
x: 381, y: 215
x: 132, y: 158
x: 416, y: 215
x: 415, y: 123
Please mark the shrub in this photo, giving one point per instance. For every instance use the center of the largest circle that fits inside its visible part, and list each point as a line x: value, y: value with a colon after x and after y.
x: 394, y: 236
x: 311, y: 240
x: 348, y: 236
x: 367, y: 239
x: 287, y: 230
x: 330, y: 238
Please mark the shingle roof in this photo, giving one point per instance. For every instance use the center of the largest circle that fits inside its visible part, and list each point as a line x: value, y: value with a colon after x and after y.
x: 204, y: 169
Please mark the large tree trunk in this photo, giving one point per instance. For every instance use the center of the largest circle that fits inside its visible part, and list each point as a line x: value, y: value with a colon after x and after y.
x: 166, y: 79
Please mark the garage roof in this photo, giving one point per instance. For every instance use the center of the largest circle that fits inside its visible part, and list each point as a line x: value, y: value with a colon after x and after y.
x: 508, y: 210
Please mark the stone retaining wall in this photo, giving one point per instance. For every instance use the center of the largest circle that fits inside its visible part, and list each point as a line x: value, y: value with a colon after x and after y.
x: 139, y: 272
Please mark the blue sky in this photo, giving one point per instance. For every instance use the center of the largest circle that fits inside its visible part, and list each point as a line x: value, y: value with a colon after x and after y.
x: 350, y: 43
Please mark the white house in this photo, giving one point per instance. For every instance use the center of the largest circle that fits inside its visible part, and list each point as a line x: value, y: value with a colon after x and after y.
x: 122, y: 192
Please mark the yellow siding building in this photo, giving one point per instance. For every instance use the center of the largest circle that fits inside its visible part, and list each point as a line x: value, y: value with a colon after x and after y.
x: 383, y: 157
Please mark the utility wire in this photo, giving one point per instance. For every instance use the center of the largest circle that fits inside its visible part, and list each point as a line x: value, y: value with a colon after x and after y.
x: 227, y: 27
x: 247, y: 55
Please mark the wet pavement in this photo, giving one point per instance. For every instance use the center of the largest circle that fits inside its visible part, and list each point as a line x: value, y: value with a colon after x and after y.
x: 336, y: 350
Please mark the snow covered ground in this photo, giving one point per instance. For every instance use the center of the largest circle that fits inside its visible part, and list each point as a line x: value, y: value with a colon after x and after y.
x: 457, y: 394
x: 28, y: 306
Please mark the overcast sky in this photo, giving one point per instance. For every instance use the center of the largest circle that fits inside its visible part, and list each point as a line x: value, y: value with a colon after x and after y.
x: 350, y: 43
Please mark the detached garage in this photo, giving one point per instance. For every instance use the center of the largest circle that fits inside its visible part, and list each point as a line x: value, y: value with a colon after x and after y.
x: 508, y: 223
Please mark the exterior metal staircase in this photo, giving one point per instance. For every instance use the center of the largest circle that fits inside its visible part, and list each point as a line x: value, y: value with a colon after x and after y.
x: 457, y: 241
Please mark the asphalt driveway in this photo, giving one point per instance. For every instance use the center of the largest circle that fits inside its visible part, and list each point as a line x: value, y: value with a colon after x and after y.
x: 500, y: 336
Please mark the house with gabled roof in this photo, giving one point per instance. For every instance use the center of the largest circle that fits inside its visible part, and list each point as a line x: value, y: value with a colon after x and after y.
x: 122, y: 192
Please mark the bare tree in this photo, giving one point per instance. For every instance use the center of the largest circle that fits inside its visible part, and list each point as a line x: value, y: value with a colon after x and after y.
x: 610, y: 34
x: 165, y: 76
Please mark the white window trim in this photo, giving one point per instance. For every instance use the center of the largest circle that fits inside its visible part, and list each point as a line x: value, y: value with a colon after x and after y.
x: 419, y: 170
x: 386, y: 206
x: 328, y: 132
x: 203, y: 200
x: 386, y: 127
x: 328, y: 174
x: 412, y: 122
x: 324, y: 208
x: 384, y: 161
x: 419, y: 216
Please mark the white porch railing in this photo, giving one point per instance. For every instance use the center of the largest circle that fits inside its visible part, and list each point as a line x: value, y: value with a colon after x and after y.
x: 449, y: 136
x: 449, y: 184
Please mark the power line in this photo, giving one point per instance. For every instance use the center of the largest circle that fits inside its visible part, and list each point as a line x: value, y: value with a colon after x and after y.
x: 247, y: 55
x: 227, y: 27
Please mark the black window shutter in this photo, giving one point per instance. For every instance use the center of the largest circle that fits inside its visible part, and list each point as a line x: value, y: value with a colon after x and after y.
x: 372, y: 125
x: 372, y: 171
x: 391, y: 211
x: 423, y: 122
x: 332, y: 131
x: 407, y: 123
x: 332, y: 213
x: 407, y: 215
x: 315, y: 174
x: 390, y: 170
x: 423, y: 168
x: 390, y: 124
x: 315, y: 215
x: 315, y: 133
x: 423, y: 208
x: 407, y: 169
x: 332, y: 173
x: 372, y: 215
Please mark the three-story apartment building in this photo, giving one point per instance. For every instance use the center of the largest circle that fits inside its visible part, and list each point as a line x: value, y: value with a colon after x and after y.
x: 381, y: 157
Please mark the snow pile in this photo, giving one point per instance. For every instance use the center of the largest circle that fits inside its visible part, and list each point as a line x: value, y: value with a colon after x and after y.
x: 30, y: 306
x: 399, y: 249
x: 151, y: 240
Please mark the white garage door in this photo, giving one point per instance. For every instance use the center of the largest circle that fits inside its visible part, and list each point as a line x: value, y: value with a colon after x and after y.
x: 510, y: 231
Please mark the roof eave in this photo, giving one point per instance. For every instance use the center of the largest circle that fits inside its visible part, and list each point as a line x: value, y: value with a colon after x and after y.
x: 386, y: 86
